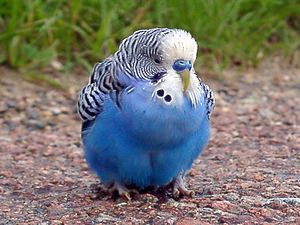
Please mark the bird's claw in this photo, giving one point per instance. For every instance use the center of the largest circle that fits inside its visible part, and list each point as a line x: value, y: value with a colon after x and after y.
x: 177, y: 191
x: 180, y: 189
x: 122, y: 191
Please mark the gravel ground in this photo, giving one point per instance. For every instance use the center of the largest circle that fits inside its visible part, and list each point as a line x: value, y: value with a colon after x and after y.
x: 249, y: 173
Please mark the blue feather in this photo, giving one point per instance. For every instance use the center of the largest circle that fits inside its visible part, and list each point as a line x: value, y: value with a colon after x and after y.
x: 144, y: 143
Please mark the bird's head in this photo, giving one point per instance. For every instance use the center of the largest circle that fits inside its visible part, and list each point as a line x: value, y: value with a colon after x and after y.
x: 152, y: 54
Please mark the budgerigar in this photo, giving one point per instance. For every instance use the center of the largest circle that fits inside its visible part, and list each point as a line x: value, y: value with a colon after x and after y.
x: 146, y: 114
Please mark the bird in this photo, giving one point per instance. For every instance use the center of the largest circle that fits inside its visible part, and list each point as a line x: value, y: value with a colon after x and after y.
x: 146, y: 113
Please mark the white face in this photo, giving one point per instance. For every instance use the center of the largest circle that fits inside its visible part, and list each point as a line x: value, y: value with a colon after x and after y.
x: 169, y: 91
x: 178, y: 45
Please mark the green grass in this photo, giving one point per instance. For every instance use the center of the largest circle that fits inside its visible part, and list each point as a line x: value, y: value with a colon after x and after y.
x: 81, y: 32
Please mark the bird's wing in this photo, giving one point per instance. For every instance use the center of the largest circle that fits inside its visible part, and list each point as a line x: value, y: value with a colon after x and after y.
x: 210, y: 99
x: 90, y: 102
x: 91, y: 97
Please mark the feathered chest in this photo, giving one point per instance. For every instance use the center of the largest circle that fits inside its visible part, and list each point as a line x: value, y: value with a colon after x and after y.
x: 160, y: 114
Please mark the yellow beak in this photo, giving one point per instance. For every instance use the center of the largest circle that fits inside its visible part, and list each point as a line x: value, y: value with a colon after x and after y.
x: 185, y: 75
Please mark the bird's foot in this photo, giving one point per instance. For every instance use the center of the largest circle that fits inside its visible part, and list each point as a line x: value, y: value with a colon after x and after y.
x: 179, y: 187
x: 122, y: 191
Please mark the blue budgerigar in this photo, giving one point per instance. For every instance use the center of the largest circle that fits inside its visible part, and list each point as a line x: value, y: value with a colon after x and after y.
x: 146, y: 114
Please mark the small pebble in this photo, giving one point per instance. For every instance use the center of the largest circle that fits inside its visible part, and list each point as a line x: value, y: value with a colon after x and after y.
x: 55, y: 111
x: 35, y: 124
x: 11, y: 104
x: 9, y: 125
x: 51, y: 124
x: 31, y: 113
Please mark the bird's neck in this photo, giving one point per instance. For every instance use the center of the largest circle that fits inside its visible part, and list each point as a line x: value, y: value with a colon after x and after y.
x: 171, y: 85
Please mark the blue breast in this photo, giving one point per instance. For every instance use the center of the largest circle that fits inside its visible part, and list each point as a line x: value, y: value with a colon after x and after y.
x: 145, y: 142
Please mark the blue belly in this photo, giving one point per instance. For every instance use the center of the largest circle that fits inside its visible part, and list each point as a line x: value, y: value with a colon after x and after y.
x: 145, y: 143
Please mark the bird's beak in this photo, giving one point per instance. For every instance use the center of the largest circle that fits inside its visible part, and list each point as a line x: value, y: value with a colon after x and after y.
x: 185, y: 75
x: 183, y: 67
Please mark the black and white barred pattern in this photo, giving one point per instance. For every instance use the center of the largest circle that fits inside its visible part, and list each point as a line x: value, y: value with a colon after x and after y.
x: 134, y: 59
x: 137, y: 53
x: 90, y: 102
x: 137, y: 58
x: 210, y: 99
x: 91, y: 97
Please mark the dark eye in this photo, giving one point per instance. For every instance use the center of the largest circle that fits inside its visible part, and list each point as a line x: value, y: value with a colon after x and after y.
x: 157, y: 60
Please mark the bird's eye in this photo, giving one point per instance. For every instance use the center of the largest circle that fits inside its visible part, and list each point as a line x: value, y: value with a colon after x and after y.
x: 157, y: 60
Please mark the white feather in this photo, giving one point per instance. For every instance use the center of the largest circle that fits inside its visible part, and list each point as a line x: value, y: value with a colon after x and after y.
x: 172, y: 85
x: 179, y: 44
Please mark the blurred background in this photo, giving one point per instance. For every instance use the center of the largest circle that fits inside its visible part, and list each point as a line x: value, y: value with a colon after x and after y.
x: 66, y: 34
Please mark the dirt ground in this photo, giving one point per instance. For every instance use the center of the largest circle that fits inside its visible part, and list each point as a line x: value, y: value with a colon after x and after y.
x: 249, y: 173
